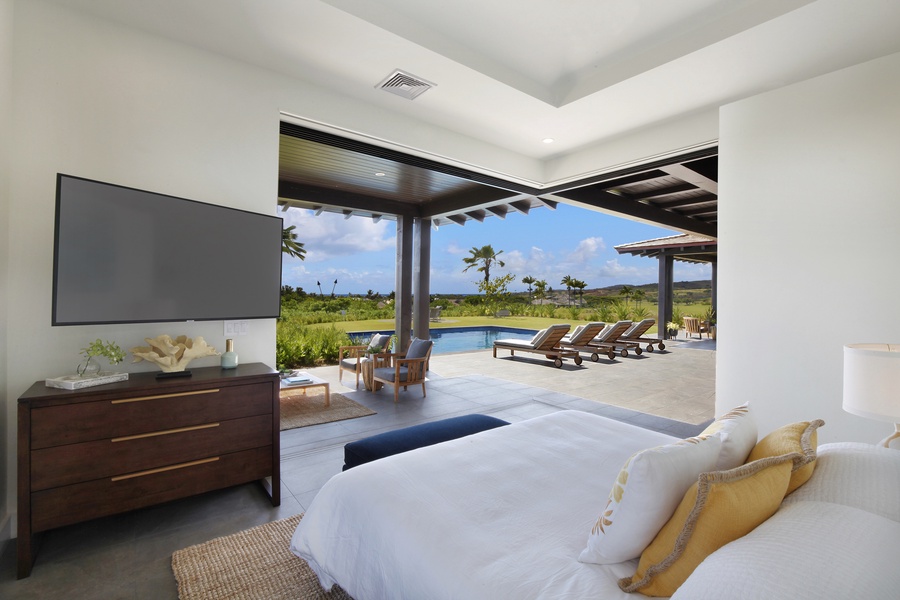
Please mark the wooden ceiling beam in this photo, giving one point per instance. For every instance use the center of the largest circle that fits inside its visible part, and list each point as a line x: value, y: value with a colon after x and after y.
x: 705, y: 198
x: 597, y: 198
x: 661, y: 192
x: 691, y: 176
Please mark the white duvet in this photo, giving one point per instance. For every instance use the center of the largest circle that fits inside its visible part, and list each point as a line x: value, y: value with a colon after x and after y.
x: 501, y: 514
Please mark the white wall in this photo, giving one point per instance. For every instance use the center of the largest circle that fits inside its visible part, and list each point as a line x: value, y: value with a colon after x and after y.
x: 98, y: 101
x: 809, y: 226
x: 6, y: 62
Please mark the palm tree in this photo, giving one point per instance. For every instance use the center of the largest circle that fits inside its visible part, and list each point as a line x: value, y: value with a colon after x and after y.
x: 528, y: 280
x: 290, y: 245
x: 639, y: 296
x: 579, y: 285
x: 540, y: 286
x: 626, y: 292
x: 567, y: 281
x: 483, y: 258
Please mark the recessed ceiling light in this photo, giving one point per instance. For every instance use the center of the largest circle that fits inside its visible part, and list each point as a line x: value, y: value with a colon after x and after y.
x: 379, y: 174
x: 547, y: 140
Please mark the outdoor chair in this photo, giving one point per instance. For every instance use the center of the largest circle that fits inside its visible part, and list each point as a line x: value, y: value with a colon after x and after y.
x: 546, y: 342
x: 695, y: 325
x: 350, y: 358
x: 406, y: 369
x: 434, y: 314
x: 635, y: 335
x: 581, y: 336
x: 610, y: 340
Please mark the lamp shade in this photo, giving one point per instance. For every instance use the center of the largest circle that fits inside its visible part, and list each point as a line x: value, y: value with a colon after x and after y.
x: 872, y: 381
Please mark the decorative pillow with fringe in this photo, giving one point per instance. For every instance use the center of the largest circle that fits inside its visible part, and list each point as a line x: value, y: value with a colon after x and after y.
x: 797, y: 438
x: 721, y: 507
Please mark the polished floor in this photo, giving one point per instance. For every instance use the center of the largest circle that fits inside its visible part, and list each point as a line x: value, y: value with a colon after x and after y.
x: 129, y: 556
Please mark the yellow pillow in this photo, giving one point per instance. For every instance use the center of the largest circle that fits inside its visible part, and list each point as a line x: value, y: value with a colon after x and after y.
x: 797, y: 438
x: 721, y: 507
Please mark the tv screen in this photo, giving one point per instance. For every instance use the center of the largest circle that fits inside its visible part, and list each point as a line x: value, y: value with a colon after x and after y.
x: 123, y: 255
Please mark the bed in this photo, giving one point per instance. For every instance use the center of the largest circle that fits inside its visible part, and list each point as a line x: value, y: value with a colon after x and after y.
x: 506, y: 513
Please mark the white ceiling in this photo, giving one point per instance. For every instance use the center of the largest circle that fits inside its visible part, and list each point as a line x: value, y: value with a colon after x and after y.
x: 512, y: 72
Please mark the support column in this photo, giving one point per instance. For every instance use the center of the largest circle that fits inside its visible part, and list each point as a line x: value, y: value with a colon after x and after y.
x: 422, y: 278
x: 666, y: 293
x: 713, y: 286
x: 403, y: 287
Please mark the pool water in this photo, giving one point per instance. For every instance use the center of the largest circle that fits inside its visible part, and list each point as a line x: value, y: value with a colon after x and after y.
x: 465, y: 339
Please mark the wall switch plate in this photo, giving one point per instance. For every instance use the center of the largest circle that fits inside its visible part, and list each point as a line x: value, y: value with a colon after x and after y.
x: 236, y: 328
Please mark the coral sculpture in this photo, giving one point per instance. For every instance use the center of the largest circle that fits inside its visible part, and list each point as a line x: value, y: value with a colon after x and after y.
x: 172, y: 355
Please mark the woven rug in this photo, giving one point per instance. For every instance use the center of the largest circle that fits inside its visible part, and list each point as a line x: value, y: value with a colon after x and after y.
x: 252, y: 564
x: 301, y: 410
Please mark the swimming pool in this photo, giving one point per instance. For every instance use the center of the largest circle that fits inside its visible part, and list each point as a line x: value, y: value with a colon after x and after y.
x: 463, y: 339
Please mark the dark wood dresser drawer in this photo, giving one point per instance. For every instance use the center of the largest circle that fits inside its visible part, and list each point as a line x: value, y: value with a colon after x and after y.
x: 98, y: 451
x: 75, y: 503
x: 142, y: 413
x: 65, y: 465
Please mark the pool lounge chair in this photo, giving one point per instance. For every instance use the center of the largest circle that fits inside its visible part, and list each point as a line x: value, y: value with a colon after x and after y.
x: 581, y: 337
x: 545, y: 341
x: 636, y: 332
x: 610, y: 340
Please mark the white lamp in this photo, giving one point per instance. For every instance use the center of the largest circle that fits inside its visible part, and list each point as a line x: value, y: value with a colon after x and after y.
x: 872, y: 383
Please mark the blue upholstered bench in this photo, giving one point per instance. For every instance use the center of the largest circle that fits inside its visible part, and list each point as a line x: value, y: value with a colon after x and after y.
x: 417, y: 436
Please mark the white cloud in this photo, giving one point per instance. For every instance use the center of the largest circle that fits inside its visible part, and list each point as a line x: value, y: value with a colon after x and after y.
x: 330, y: 235
x: 587, y: 250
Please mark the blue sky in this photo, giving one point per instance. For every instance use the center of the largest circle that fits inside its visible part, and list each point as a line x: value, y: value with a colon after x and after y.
x: 546, y: 244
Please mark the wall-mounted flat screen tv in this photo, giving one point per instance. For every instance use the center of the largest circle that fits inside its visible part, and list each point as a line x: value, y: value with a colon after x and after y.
x: 123, y: 255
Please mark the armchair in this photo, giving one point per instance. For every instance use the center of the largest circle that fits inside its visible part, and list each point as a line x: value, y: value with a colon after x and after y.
x: 350, y: 357
x: 695, y: 325
x: 406, y: 369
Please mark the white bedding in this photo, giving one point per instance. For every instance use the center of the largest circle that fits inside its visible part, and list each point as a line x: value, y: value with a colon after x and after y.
x: 501, y: 514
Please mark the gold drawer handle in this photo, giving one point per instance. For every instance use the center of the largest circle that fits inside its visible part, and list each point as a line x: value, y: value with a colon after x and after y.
x: 142, y: 398
x: 164, y: 469
x: 166, y: 432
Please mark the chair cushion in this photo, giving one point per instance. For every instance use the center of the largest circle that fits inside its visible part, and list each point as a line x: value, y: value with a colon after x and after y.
x: 380, y: 340
x: 417, y: 436
x: 388, y: 373
x: 349, y: 364
x: 418, y: 348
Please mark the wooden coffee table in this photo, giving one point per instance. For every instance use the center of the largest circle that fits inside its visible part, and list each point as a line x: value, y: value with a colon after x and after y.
x: 313, y: 381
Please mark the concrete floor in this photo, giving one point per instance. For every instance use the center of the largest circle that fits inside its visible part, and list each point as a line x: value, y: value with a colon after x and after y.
x: 129, y: 555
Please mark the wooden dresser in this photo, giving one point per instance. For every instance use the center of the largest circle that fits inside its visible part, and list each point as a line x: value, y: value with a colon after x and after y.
x: 113, y: 448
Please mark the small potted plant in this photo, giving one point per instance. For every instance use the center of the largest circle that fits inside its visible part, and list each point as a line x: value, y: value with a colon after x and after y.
x: 672, y: 329
x: 109, y: 350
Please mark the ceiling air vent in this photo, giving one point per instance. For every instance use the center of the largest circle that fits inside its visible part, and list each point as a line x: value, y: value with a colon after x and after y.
x: 405, y: 84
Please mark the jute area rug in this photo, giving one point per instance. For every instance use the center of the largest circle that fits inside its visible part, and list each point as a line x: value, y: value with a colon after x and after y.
x: 255, y: 564
x: 301, y: 410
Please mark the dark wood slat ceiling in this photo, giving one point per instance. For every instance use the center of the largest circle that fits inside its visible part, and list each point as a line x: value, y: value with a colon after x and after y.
x: 322, y: 171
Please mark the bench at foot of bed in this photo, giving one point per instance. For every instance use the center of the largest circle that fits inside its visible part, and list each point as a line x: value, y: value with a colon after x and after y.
x: 417, y: 436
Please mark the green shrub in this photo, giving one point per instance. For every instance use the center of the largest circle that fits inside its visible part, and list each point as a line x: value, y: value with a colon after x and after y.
x: 298, y: 346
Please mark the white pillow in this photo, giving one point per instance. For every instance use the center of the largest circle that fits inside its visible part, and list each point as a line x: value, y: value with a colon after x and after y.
x: 805, y: 551
x: 859, y: 475
x: 738, y: 433
x: 647, y: 491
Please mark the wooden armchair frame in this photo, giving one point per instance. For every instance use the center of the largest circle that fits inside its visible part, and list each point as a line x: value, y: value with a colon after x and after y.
x: 357, y: 352
x: 416, y: 368
x: 695, y: 325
